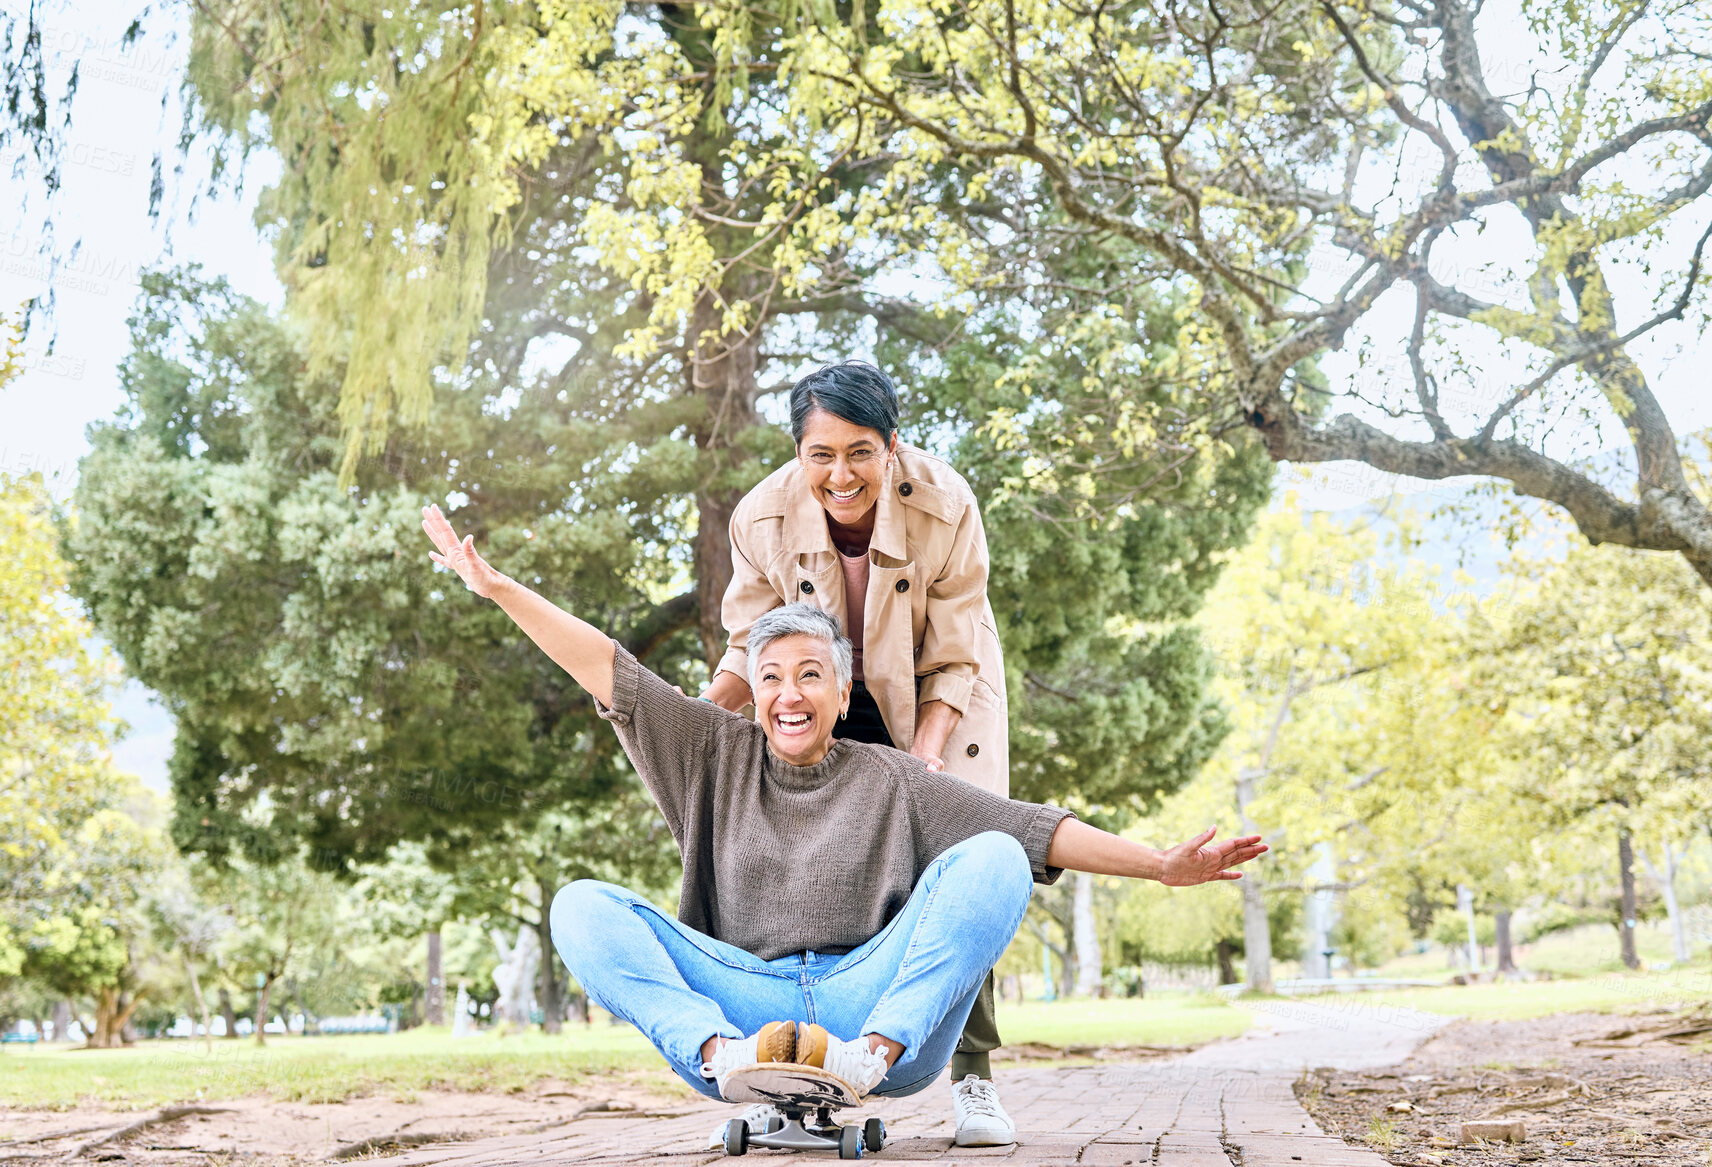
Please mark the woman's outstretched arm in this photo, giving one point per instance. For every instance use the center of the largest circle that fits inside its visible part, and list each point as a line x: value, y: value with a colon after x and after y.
x: 576, y: 646
x: 1076, y: 846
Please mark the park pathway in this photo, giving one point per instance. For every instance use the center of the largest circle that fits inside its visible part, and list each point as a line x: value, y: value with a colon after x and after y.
x: 1226, y: 1105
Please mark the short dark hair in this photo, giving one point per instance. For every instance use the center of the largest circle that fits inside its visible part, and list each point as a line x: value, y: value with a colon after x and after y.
x: 853, y: 390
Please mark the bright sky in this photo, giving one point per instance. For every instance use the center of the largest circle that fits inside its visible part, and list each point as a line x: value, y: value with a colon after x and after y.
x: 127, y: 111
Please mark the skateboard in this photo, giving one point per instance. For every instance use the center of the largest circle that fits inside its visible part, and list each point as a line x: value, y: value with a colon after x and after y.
x: 799, y: 1091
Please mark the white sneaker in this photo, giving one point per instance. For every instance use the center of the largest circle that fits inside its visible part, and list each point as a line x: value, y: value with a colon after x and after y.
x: 775, y: 1041
x: 757, y: 1116
x: 854, y: 1061
x: 981, y: 1121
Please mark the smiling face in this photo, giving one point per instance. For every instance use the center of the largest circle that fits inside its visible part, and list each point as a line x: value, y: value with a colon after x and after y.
x: 798, y: 698
x: 844, y: 463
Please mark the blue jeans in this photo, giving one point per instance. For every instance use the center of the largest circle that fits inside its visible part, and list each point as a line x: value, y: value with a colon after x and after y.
x: 913, y: 982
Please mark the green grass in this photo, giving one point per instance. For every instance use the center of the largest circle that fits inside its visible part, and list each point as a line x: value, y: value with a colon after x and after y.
x: 1177, y: 1019
x: 1519, y: 1000
x: 319, y: 1069
x: 327, y: 1069
x: 1584, y: 951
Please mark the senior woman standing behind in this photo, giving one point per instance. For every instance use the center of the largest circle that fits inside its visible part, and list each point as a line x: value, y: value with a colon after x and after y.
x: 889, y: 540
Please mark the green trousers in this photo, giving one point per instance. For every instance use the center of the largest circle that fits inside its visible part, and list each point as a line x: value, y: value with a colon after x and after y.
x: 980, y: 1034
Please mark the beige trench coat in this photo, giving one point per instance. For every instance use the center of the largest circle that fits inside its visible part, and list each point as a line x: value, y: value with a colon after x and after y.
x: 926, y: 616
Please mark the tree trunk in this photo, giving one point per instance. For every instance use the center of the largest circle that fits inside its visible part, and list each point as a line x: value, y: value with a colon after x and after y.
x: 201, y: 1001
x: 1501, y: 929
x: 1225, y: 951
x: 228, y: 1014
x: 1320, y: 913
x: 1085, y: 934
x: 723, y: 375
x: 1256, y: 929
x: 112, y: 1012
x: 1465, y: 905
x: 720, y: 370
x: 435, y: 1006
x: 1666, y: 882
x: 1626, y: 920
x: 262, y: 1010
x: 548, y: 986
x: 62, y: 1021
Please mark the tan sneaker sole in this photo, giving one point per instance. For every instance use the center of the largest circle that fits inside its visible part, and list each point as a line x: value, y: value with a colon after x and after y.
x: 811, y: 1044
x: 776, y: 1041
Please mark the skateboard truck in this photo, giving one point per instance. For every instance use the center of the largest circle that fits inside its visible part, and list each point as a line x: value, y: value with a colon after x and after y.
x: 798, y: 1092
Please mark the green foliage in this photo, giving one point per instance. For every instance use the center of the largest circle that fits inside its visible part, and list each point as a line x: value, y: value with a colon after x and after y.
x: 1602, y: 664
x: 1108, y: 508
x: 305, y: 646
x: 1371, y: 929
x: 58, y: 791
x: 1450, y: 928
x: 73, y: 839
x: 388, y: 207
x: 74, y: 953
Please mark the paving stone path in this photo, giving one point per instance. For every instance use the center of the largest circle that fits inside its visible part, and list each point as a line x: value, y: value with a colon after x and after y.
x: 1226, y: 1105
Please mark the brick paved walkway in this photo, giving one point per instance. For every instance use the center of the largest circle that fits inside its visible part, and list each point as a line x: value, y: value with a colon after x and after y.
x: 1227, y: 1104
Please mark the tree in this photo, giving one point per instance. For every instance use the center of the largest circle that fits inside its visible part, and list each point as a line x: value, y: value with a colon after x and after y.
x: 680, y: 174
x: 56, y: 714
x: 1300, y: 618
x: 1600, y: 665
x: 512, y: 877
x: 1363, y: 746
x: 1295, y: 171
x: 663, y: 182
x: 94, y: 943
x: 71, y: 843
x: 284, y: 913
x: 406, y: 897
x: 1107, y: 507
x: 192, y: 926
x: 1226, y: 143
x: 316, y: 665
x: 663, y: 141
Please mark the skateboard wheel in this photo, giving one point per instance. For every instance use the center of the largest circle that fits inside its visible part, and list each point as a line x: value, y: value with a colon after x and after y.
x: 774, y: 1125
x: 873, y: 1135
x: 849, y: 1143
x: 736, y: 1137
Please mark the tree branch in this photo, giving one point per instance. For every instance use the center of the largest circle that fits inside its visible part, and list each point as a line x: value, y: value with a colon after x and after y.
x: 659, y: 625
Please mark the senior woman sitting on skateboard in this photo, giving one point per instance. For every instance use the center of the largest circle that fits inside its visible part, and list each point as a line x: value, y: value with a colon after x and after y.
x: 841, y: 902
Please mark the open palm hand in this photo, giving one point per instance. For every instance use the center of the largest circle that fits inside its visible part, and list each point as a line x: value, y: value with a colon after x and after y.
x: 1201, y: 860
x: 459, y: 555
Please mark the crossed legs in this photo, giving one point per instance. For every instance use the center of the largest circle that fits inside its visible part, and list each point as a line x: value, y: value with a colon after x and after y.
x: 911, y: 984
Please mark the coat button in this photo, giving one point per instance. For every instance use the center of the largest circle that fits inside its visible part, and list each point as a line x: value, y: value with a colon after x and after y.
x: 903, y: 585
x: 973, y: 749
x: 807, y: 588
x: 905, y: 488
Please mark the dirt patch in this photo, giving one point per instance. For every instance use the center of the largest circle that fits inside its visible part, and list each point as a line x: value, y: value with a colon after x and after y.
x: 1588, y: 1088
x: 265, y: 1133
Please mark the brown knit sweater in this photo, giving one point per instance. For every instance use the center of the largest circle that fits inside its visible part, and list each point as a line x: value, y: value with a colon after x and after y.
x: 781, y: 858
